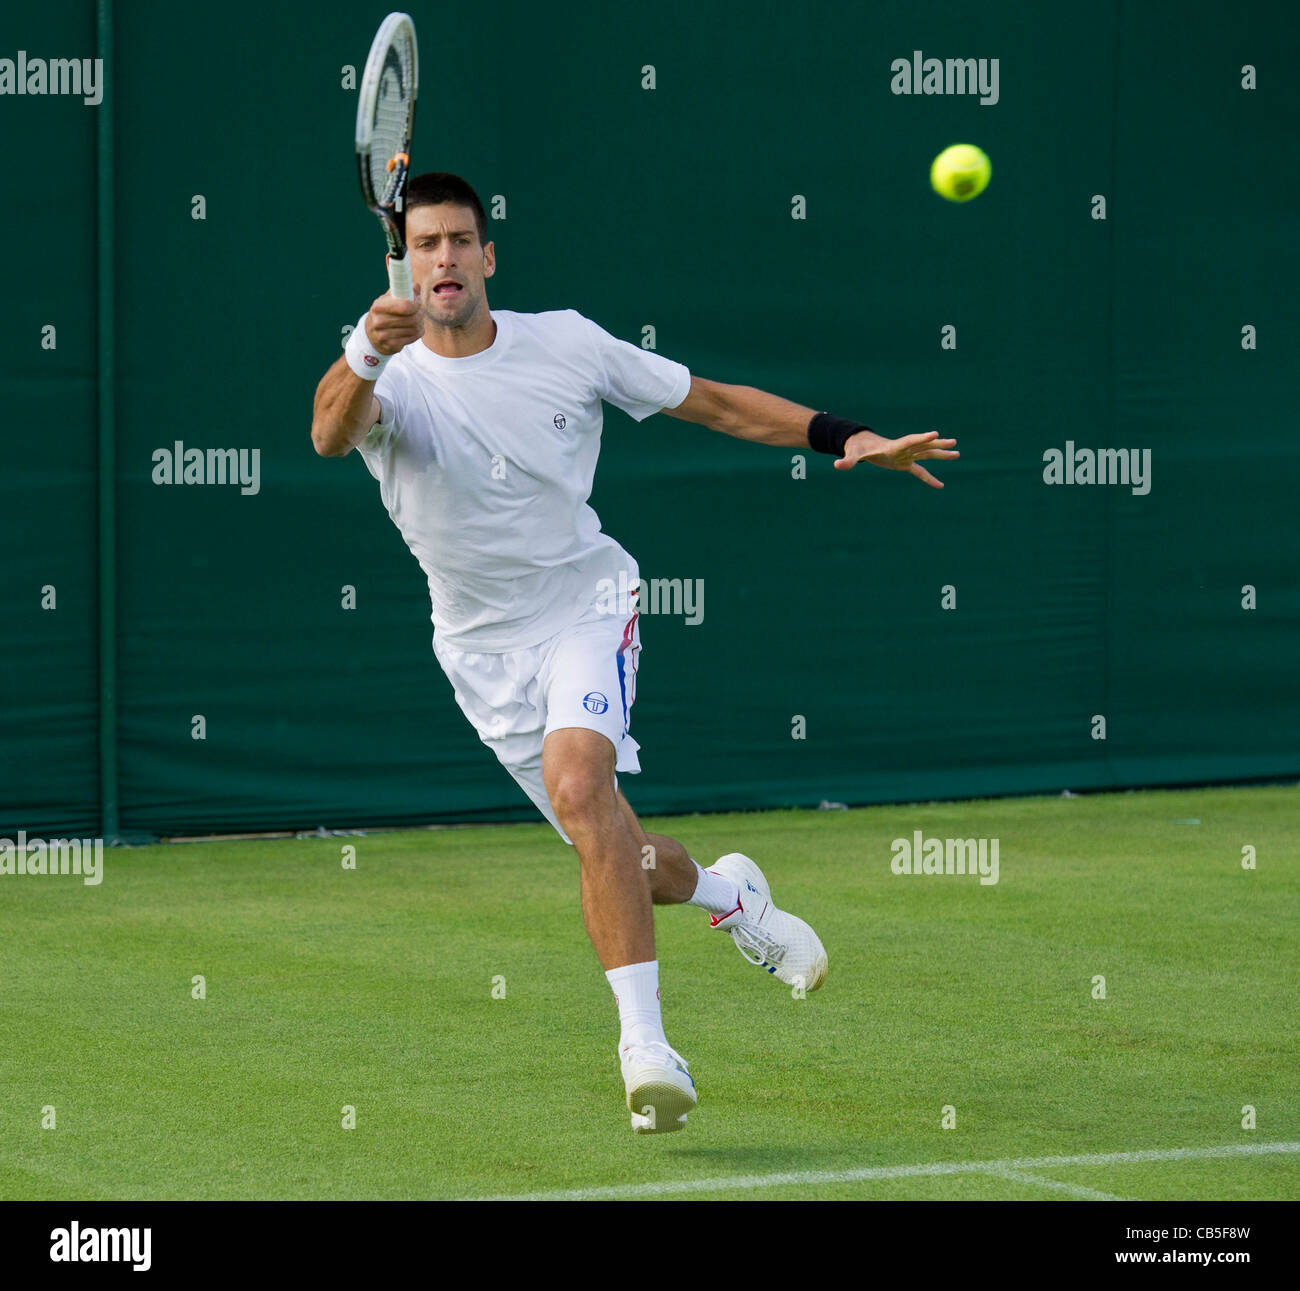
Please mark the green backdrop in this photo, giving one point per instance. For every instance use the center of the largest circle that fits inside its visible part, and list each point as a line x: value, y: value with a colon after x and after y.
x: 667, y: 208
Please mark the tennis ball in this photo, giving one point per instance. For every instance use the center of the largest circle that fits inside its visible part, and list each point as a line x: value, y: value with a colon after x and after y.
x: 960, y: 172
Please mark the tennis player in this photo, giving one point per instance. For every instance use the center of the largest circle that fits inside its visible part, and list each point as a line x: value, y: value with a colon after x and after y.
x: 483, y: 428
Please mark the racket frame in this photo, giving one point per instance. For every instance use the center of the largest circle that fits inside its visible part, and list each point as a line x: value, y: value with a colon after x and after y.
x: 388, y: 206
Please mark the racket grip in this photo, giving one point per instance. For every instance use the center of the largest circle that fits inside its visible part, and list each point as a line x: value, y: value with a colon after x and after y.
x: 399, y: 278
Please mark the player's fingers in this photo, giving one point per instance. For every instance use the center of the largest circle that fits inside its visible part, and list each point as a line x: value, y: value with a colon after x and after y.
x: 394, y: 307
x: 845, y: 463
x: 395, y: 324
x: 922, y: 474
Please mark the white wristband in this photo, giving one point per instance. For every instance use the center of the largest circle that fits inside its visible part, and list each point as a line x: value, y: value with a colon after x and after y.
x: 362, y: 357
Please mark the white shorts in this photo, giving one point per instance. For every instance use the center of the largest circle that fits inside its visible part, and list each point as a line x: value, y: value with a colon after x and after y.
x: 584, y: 676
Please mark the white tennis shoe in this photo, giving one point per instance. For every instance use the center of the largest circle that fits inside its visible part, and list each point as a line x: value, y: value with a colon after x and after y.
x: 782, y: 944
x: 660, y: 1090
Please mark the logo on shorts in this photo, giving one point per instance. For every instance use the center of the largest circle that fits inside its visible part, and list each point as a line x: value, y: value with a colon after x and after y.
x: 594, y: 702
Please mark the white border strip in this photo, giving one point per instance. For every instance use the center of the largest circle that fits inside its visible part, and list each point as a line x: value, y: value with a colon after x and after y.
x: 801, y: 1178
x: 1037, y: 1181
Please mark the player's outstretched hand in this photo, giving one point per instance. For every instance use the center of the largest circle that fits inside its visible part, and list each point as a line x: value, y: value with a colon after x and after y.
x: 897, y: 454
x: 394, y: 323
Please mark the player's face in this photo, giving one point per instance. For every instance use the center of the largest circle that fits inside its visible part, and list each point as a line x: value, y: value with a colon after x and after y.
x: 444, y: 245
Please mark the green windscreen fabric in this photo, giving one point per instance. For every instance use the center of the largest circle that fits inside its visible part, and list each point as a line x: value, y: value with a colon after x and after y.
x: 747, y: 192
x: 48, y: 598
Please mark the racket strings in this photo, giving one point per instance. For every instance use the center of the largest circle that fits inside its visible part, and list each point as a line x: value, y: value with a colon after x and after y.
x: 391, y: 122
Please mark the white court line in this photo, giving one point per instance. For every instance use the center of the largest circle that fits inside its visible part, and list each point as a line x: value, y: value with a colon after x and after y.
x: 868, y: 1173
x: 1074, y: 1189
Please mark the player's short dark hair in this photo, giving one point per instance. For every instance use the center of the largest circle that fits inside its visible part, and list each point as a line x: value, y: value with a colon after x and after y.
x: 437, y: 186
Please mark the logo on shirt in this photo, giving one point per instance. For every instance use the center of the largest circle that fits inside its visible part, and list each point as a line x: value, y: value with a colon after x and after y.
x: 594, y: 702
x: 558, y: 421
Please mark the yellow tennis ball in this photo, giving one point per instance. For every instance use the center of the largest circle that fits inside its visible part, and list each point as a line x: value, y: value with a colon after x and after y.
x: 960, y: 172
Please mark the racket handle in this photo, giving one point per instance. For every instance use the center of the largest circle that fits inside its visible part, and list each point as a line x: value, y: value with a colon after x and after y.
x: 399, y: 278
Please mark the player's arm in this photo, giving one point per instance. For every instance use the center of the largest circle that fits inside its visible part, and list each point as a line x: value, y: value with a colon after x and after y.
x: 344, y: 411
x: 345, y: 407
x: 745, y: 413
x: 763, y: 418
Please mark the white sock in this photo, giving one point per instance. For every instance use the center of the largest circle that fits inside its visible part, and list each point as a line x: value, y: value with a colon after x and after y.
x: 714, y: 892
x: 636, y: 992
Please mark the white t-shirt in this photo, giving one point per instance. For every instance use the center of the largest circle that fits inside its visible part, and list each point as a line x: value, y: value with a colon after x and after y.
x: 486, y: 463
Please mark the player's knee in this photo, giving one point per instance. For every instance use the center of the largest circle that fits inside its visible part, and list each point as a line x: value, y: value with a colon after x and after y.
x: 582, y: 800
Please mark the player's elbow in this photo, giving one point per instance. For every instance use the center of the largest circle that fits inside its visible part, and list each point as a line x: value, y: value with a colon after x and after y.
x: 325, y: 442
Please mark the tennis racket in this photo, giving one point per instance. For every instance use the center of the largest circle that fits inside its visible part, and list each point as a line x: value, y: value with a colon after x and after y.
x: 385, y: 115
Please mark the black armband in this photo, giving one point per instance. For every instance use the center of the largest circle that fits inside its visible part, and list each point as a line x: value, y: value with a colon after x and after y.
x: 827, y: 434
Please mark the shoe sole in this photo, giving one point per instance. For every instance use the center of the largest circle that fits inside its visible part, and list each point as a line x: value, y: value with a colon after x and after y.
x: 659, y: 1107
x: 820, y: 965
x: 817, y: 974
x: 819, y: 969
